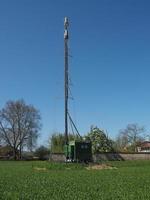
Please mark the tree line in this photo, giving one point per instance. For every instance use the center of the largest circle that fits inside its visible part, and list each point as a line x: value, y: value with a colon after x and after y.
x: 20, y: 126
x: 128, y: 140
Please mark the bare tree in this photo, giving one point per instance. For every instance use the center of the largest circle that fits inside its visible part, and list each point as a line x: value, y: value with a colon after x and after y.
x: 19, y: 124
x: 121, y: 142
x: 131, y: 136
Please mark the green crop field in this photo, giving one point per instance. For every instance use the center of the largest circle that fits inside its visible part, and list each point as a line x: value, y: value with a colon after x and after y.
x: 44, y: 180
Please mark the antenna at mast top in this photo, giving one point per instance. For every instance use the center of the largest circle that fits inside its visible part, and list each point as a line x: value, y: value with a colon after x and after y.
x: 66, y: 24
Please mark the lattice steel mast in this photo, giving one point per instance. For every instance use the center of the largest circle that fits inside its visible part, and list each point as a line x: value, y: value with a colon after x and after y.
x: 66, y: 37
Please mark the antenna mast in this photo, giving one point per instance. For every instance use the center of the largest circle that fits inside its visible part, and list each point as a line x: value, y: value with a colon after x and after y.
x: 76, y: 150
x: 66, y: 80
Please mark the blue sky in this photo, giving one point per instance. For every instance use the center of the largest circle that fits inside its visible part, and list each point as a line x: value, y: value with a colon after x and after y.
x: 110, y: 63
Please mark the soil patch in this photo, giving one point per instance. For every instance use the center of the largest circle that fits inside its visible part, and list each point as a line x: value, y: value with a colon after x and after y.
x: 40, y: 168
x: 99, y: 167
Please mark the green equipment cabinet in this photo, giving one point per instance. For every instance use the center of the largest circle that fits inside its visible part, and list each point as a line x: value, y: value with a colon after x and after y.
x: 78, y: 151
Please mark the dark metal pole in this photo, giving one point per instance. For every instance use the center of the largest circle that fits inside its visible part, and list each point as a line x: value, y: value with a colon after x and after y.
x: 66, y: 24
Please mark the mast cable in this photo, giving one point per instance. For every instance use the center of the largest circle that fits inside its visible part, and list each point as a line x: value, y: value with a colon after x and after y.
x: 74, y: 125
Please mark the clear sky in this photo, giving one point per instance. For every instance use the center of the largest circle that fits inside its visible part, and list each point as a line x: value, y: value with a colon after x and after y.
x: 110, y: 63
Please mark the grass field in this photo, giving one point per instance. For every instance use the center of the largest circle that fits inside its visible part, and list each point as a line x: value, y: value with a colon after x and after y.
x: 128, y: 180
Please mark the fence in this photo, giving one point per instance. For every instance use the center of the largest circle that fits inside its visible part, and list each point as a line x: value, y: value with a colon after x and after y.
x: 58, y: 157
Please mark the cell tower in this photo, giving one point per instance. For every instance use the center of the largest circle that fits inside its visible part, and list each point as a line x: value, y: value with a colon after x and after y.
x: 66, y: 37
x: 76, y: 150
